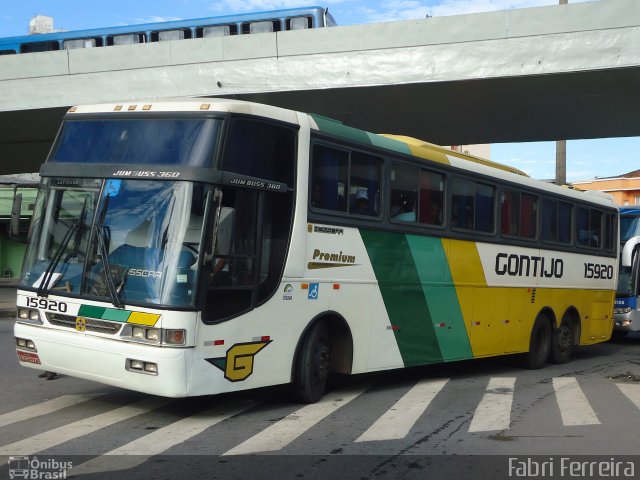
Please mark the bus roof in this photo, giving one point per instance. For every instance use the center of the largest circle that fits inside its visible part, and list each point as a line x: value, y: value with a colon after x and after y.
x: 397, y: 143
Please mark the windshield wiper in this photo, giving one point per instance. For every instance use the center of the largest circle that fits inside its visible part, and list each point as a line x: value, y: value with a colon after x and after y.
x: 48, y: 273
x: 101, y: 232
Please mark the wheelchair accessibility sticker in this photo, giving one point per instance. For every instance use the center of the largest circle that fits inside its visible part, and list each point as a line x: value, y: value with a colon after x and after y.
x: 314, y: 291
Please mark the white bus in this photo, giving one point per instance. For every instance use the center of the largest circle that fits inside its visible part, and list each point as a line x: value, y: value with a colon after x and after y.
x: 196, y: 247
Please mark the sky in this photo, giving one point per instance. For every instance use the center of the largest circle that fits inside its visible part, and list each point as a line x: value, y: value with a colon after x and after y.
x: 586, y: 159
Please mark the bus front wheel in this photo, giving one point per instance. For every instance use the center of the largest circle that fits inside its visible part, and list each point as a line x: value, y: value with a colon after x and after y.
x: 312, y: 369
x: 539, y: 344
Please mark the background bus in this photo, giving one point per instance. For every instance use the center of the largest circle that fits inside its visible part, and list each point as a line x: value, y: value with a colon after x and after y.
x: 627, y: 309
x: 202, y: 246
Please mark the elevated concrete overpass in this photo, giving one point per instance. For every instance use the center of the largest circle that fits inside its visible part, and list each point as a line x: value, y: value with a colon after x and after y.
x: 559, y: 72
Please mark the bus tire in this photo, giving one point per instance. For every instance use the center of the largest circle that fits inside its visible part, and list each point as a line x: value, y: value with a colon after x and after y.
x: 562, y: 342
x: 539, y: 344
x: 312, y: 369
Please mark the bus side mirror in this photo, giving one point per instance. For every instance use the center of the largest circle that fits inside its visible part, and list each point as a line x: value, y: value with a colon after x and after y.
x: 16, y: 209
x: 628, y: 250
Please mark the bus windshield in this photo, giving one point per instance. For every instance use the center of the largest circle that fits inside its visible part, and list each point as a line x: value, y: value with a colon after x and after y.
x: 124, y: 241
x: 629, y: 227
x: 167, y: 141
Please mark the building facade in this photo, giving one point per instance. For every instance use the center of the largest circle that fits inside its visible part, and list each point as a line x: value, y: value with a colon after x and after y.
x: 625, y: 189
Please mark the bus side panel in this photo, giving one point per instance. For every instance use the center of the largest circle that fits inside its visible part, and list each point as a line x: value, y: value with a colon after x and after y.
x: 442, y: 301
x: 404, y: 299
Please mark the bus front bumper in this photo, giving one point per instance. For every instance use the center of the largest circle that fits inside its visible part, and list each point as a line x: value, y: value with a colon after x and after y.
x: 121, y: 364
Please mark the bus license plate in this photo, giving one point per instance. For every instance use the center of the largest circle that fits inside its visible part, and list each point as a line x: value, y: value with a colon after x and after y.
x: 28, y: 357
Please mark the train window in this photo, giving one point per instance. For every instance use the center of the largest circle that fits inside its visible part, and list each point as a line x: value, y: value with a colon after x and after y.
x: 39, y: 47
x: 80, y: 43
x: 217, y: 31
x: 266, y: 26
x: 170, y: 35
x: 7, y: 52
x: 129, y: 39
x: 298, y: 23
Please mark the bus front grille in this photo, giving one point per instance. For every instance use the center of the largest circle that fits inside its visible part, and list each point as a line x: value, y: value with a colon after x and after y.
x: 87, y: 325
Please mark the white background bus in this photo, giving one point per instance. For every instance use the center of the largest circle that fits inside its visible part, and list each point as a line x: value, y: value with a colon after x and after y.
x: 195, y: 247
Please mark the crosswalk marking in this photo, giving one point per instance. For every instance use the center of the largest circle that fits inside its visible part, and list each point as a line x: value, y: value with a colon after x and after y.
x: 574, y: 406
x: 494, y: 410
x: 138, y: 451
x: 493, y: 413
x: 282, y: 433
x: 43, y: 408
x: 399, y: 419
x: 632, y: 392
x: 62, y: 434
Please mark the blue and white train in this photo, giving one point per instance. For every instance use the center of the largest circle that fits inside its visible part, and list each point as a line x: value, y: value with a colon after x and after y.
x: 242, y: 24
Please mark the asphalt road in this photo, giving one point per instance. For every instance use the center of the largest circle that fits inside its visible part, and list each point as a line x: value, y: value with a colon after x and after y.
x: 462, y: 420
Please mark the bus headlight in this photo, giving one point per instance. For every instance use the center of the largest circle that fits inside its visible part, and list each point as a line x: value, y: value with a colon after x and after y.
x: 152, y: 334
x: 138, y: 332
x: 29, y: 315
x: 140, y: 366
x: 26, y: 344
x: 156, y: 336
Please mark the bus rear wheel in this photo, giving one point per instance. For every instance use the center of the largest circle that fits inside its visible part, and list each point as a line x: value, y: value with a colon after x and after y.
x: 539, y: 344
x: 312, y: 369
x: 562, y: 343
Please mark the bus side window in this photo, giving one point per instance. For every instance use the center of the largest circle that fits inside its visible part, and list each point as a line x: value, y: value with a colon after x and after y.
x: 403, y: 195
x: 364, y: 184
x: 329, y: 178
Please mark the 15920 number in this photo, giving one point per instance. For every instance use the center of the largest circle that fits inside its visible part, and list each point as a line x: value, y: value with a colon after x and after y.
x: 598, y: 271
x: 46, y: 304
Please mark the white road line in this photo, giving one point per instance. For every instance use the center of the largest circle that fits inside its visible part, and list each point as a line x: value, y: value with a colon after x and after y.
x: 138, y: 451
x: 285, y: 431
x: 402, y: 416
x: 43, y: 408
x: 62, y: 434
x: 632, y: 392
x: 494, y: 410
x: 574, y: 406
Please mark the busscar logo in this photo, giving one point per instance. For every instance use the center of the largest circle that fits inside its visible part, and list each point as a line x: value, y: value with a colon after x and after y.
x: 330, y: 260
x: 237, y: 365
